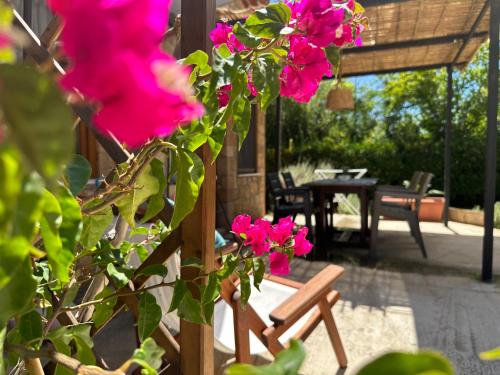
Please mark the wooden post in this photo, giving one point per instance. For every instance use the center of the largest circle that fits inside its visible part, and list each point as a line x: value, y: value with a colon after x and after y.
x: 197, y: 230
x: 447, y: 142
x: 491, y: 142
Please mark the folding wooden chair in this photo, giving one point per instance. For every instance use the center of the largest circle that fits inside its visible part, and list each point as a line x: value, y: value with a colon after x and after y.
x: 294, y: 311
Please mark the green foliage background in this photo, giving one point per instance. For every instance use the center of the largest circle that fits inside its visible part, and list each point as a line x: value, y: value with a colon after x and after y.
x: 396, y: 128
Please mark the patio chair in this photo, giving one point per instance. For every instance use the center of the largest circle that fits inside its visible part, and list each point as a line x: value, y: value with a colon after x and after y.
x: 408, y: 210
x: 290, y: 201
x: 281, y: 310
x: 412, y: 187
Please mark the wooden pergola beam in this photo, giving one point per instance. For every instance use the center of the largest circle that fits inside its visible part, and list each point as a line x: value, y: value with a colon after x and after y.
x: 197, y: 341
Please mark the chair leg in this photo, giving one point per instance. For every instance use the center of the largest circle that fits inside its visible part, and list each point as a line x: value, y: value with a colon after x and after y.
x: 415, y: 229
x: 241, y: 332
x: 374, y: 232
x: 333, y: 332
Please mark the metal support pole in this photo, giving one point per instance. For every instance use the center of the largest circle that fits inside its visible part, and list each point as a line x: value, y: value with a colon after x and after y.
x: 279, y: 134
x: 491, y: 142
x: 447, y: 143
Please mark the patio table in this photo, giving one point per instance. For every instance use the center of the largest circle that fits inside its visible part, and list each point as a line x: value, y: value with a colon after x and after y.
x: 321, y: 189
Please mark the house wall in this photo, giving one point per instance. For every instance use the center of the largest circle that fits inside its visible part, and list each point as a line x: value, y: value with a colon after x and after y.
x: 241, y: 193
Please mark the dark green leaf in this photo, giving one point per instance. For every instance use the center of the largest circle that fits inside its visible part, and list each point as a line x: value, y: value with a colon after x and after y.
x: 149, y: 316
x: 84, y: 344
x: 229, y: 264
x: 30, y: 326
x: 103, y: 311
x: 259, y: 268
x: 269, y: 21
x: 39, y: 118
x: 190, y: 309
x: 63, y: 347
x: 333, y: 55
x: 265, y: 75
x: 216, y: 140
x: 154, y: 270
x: 157, y: 202
x: 241, y: 117
x: 12, y: 254
x: 245, y: 288
x: 180, y: 290
x: 77, y: 173
x: 10, y: 186
x: 244, y: 36
x: 192, y: 262
x: 145, y: 186
x: 94, y: 227
x: 210, y: 293
x: 148, y: 356
x: 190, y: 175
x: 430, y: 363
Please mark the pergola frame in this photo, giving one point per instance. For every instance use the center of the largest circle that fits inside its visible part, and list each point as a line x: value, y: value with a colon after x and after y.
x: 492, y: 106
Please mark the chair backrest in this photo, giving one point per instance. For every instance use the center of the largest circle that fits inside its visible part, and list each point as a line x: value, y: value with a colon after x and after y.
x: 424, y: 183
x: 274, y: 183
x: 289, y: 182
x: 415, y: 180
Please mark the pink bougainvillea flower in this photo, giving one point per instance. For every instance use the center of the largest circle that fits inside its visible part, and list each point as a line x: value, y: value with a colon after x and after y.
x: 250, y: 85
x: 224, y: 95
x: 301, y: 245
x: 223, y: 33
x: 359, y: 30
x: 307, y: 65
x: 282, y: 231
x: 343, y: 35
x: 278, y: 263
x: 117, y: 63
x: 241, y: 224
x: 317, y: 20
x: 259, y: 248
x: 264, y: 225
x: 255, y: 235
x: 5, y: 40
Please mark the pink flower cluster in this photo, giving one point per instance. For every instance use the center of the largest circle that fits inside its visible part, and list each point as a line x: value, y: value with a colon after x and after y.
x: 116, y: 62
x: 276, y: 240
x: 223, y: 33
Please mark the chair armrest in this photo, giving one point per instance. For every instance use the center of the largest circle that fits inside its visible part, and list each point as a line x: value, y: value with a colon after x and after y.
x: 307, y: 296
x: 294, y: 191
x: 397, y: 194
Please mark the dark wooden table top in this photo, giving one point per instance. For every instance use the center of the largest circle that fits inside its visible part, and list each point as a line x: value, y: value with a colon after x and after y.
x: 333, y: 182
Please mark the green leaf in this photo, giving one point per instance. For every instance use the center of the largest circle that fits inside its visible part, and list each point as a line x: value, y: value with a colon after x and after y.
x: 490, y: 355
x: 265, y: 75
x: 190, y: 309
x: 229, y: 264
x: 40, y: 121
x: 3, y: 334
x: 192, y: 262
x: 190, y: 175
x: 10, y: 186
x: 103, y: 311
x: 17, y: 294
x: 71, y: 226
x: 199, y: 60
x: 180, y: 290
x: 287, y: 362
x: 157, y: 202
x: 245, y: 288
x: 29, y: 207
x: 60, y: 259
x: 84, y: 344
x: 427, y: 362
x: 145, y: 186
x: 148, y: 356
x: 78, y: 172
x: 94, y: 227
x: 269, y: 21
x: 244, y: 36
x: 216, y: 140
x: 154, y: 270
x: 210, y: 293
x: 241, y: 120
x: 149, y: 316
x: 121, y: 276
x: 12, y: 254
x: 333, y: 55
x: 63, y: 347
x: 259, y: 268
x: 30, y: 326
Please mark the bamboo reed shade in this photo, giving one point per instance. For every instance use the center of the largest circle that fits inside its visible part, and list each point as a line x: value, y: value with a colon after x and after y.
x: 417, y: 34
x: 239, y: 9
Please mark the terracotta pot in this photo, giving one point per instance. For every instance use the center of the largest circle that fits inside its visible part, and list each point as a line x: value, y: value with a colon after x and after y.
x: 431, y: 208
